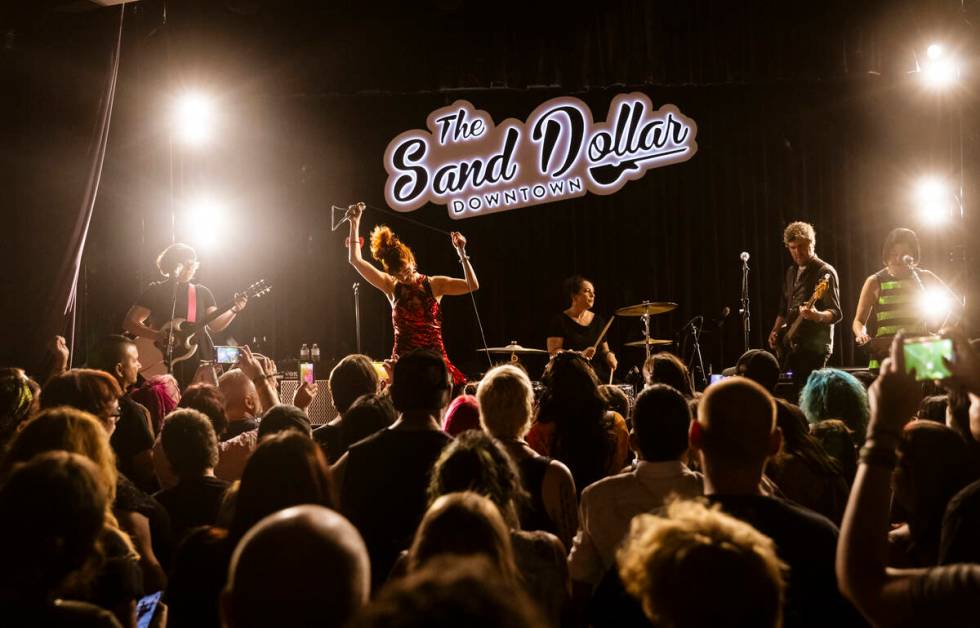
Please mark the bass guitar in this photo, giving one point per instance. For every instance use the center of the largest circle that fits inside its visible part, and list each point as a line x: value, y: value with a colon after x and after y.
x: 184, y: 336
x: 789, y: 334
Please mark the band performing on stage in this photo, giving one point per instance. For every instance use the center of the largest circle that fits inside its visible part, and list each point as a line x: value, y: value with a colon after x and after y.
x: 173, y: 318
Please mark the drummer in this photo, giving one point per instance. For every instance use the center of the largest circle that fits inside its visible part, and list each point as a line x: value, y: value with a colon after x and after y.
x: 577, y: 328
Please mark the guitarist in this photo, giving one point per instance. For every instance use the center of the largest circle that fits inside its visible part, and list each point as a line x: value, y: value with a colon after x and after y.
x: 178, y: 297
x: 815, y: 337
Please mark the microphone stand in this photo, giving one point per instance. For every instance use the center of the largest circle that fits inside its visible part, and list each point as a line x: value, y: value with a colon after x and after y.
x: 696, y: 362
x: 357, y: 315
x: 746, y: 324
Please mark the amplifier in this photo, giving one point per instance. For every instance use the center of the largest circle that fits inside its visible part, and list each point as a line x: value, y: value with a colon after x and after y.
x: 321, y: 411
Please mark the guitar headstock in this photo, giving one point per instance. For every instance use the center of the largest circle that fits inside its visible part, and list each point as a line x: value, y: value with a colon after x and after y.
x: 258, y: 289
x: 822, y: 286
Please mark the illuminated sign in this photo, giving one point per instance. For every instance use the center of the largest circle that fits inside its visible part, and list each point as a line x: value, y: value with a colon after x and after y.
x: 473, y: 166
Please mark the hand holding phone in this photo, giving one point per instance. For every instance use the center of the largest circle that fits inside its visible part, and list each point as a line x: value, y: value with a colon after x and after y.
x: 226, y: 354
x: 306, y: 373
x: 927, y: 357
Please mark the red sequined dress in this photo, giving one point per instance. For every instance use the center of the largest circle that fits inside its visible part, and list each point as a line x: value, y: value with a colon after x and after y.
x: 417, y: 321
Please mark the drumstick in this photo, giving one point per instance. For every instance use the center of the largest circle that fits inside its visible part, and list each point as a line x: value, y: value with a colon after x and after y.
x: 611, y: 372
x: 595, y: 347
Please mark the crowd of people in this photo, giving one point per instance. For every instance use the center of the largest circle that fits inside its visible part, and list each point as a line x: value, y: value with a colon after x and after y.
x: 128, y: 502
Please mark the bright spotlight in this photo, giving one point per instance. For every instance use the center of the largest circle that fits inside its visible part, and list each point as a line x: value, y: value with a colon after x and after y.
x: 939, y: 70
x: 933, y: 200
x: 194, y: 118
x: 935, y: 304
x: 206, y: 221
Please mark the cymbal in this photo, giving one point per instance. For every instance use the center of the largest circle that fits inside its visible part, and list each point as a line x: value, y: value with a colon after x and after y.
x: 512, y: 348
x: 646, y: 308
x: 650, y: 341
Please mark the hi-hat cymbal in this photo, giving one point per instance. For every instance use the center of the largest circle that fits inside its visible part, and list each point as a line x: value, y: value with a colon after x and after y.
x: 648, y: 308
x: 649, y: 341
x: 512, y: 348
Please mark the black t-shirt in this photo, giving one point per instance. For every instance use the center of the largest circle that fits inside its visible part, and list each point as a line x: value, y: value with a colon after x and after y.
x: 131, y: 436
x: 130, y: 498
x: 807, y: 542
x: 159, y: 299
x: 814, y: 337
x: 384, y: 490
x: 193, y: 502
x: 330, y: 439
x: 577, y: 337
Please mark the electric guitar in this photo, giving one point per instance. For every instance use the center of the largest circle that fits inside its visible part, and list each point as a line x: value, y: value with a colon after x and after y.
x: 789, y: 334
x: 184, y: 336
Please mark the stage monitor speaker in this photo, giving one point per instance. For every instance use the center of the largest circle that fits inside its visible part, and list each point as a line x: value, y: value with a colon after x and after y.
x: 321, y: 411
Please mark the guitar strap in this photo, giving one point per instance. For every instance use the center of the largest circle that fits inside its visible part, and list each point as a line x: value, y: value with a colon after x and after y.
x: 191, y: 303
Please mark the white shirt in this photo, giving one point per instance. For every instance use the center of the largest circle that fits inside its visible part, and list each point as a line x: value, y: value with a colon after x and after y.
x: 608, y: 506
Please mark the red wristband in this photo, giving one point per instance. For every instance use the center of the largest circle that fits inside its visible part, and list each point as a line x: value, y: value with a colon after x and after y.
x: 360, y: 242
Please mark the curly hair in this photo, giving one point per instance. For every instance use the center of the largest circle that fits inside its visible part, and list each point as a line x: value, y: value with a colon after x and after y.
x: 673, y: 564
x: 799, y: 231
x: 393, y: 254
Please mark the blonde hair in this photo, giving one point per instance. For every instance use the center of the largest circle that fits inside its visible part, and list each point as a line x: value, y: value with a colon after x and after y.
x: 799, y: 231
x: 505, y: 397
x: 64, y: 428
x: 698, y: 567
x: 386, y: 248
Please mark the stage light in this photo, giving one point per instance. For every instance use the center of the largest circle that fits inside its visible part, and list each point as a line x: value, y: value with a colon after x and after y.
x: 935, y: 304
x: 939, y: 70
x: 193, y: 118
x: 933, y: 199
x: 206, y: 221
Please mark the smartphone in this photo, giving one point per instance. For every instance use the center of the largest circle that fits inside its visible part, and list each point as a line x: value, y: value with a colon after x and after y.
x: 925, y: 354
x: 227, y: 355
x: 306, y: 372
x: 146, y: 608
x: 715, y: 378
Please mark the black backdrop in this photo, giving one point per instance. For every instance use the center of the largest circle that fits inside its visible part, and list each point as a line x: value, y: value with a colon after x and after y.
x: 801, y: 116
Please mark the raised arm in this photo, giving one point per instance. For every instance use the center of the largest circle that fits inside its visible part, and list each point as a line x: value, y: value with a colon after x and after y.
x: 380, y: 280
x: 869, y: 294
x: 451, y: 285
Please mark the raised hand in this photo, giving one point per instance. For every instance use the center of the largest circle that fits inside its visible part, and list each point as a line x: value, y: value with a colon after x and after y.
x: 249, y: 363
x: 894, y: 397
x: 354, y: 212
x: 305, y: 395
x: 459, y: 241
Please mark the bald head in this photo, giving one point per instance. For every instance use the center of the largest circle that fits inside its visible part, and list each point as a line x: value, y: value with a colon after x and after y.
x: 736, y: 423
x: 302, y: 566
x: 241, y: 398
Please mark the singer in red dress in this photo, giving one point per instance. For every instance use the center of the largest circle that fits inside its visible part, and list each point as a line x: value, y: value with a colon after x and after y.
x: 414, y: 297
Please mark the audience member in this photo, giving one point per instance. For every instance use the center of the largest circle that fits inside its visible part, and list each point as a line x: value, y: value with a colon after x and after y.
x: 448, y: 593
x: 464, y: 524
x: 132, y: 440
x: 54, y: 514
x: 287, y: 469
x: 506, y: 402
x: 300, y: 567
x: 803, y: 470
x: 915, y: 597
x: 932, y: 408
x: 697, y: 567
x: 838, y: 441
x: 836, y: 394
x: 160, y: 395
x: 475, y: 462
x: 383, y: 478
x: 661, y: 421
x: 192, y: 450
x: 242, y: 406
x: 462, y: 414
x: 616, y: 399
x: 573, y: 424
x: 760, y: 366
x: 122, y: 574
x: 19, y: 401
x: 366, y: 416
x: 734, y: 434
x: 351, y: 378
x: 210, y: 401
x: 667, y: 368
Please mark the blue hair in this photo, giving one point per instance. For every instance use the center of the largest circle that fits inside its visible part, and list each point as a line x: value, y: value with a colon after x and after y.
x: 836, y: 394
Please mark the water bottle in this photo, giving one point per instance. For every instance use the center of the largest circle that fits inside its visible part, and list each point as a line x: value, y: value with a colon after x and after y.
x: 304, y: 353
x: 315, y: 353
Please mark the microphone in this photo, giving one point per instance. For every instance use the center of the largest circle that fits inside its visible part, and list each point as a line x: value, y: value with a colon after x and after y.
x: 744, y: 256
x: 908, y: 260
x: 179, y: 269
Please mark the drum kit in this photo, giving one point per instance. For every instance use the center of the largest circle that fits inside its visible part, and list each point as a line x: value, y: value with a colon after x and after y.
x: 643, y: 310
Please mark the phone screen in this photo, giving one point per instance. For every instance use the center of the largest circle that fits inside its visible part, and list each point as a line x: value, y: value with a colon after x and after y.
x: 306, y: 372
x: 145, y: 609
x: 925, y: 356
x: 716, y: 377
x: 227, y: 355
